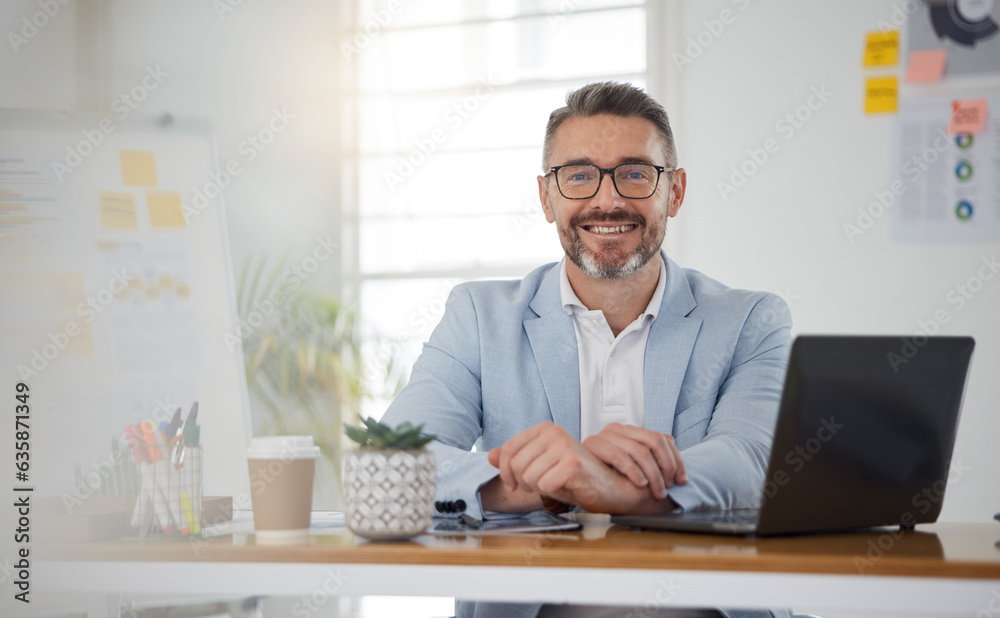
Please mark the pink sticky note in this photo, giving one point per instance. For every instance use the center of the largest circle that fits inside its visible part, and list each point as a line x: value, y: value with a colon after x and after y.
x: 968, y: 116
x: 926, y: 65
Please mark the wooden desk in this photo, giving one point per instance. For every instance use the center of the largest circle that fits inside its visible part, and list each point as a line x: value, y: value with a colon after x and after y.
x: 941, y: 569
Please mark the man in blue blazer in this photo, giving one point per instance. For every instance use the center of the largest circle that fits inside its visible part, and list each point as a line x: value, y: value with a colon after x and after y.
x: 614, y: 381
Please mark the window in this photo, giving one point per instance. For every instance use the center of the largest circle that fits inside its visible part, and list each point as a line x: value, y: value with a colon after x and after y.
x: 447, y: 110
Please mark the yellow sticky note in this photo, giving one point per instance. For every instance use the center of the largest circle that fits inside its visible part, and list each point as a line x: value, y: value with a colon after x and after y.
x: 165, y: 209
x: 926, y: 65
x: 968, y: 116
x: 881, y: 48
x: 881, y: 94
x: 138, y: 168
x: 118, y: 210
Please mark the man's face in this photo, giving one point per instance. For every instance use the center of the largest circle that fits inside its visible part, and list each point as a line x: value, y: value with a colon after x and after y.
x: 608, y: 236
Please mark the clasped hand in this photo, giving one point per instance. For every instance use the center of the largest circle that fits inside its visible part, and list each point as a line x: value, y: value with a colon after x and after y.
x: 622, y: 469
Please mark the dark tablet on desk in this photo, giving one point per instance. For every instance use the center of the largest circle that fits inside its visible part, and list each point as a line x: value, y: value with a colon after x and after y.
x: 538, y: 521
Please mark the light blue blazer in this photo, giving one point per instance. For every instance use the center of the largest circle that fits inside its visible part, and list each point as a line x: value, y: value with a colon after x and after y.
x: 504, y: 358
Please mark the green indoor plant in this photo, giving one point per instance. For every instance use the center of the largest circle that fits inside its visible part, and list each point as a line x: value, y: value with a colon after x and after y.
x: 304, y: 364
x: 389, y: 481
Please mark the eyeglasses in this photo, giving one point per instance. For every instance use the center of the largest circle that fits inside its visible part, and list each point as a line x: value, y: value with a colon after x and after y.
x: 636, y: 181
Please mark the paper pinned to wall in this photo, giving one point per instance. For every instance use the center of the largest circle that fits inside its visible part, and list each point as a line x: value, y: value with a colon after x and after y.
x: 944, y: 187
x: 926, y: 66
x: 118, y: 210
x: 165, y: 209
x: 881, y: 95
x: 138, y: 168
x: 881, y: 48
x: 968, y: 116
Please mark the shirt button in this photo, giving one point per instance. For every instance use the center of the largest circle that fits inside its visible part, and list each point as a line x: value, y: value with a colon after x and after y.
x: 593, y: 323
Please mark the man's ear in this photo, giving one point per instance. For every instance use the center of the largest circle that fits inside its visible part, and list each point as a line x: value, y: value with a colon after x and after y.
x: 543, y: 198
x: 677, y: 189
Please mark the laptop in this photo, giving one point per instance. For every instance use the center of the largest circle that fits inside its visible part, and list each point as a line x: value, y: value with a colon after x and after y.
x: 864, y: 438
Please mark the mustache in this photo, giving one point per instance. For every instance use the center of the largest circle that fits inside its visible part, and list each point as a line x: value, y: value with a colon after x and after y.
x: 617, y: 218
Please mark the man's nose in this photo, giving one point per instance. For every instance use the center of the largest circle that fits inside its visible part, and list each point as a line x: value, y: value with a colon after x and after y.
x: 607, y: 196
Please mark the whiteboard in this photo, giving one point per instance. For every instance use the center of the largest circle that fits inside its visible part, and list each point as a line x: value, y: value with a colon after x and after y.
x: 116, y: 291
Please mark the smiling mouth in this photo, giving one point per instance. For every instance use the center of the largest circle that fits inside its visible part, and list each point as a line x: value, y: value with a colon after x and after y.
x: 609, y: 229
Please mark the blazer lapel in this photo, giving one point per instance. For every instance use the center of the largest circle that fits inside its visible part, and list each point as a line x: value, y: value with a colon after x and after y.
x: 668, y: 350
x: 553, y: 343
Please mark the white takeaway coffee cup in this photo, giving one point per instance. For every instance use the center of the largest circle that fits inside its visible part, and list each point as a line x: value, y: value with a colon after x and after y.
x: 282, y: 469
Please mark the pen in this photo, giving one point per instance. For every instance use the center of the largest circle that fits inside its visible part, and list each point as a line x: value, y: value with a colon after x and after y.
x: 174, y: 425
x: 192, y: 434
x: 134, y: 437
x: 192, y: 521
x: 470, y: 521
x: 149, y: 437
x: 167, y: 511
x: 139, y: 454
x: 190, y: 475
x: 193, y: 414
x: 177, y: 451
x: 190, y: 425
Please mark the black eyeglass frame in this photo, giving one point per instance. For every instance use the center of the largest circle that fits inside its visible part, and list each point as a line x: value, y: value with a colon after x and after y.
x: 611, y: 172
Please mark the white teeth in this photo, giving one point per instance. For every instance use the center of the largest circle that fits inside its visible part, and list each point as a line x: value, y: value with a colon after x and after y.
x: 618, y: 229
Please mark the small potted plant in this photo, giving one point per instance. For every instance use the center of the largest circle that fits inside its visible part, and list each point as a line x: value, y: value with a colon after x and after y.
x: 388, y: 481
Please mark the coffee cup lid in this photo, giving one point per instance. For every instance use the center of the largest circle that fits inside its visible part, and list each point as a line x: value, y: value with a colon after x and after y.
x: 285, y: 447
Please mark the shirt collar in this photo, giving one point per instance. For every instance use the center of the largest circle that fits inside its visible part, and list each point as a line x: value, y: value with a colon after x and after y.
x: 570, y: 300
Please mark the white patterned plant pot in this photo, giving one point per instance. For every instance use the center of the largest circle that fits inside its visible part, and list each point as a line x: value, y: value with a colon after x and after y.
x: 389, y: 493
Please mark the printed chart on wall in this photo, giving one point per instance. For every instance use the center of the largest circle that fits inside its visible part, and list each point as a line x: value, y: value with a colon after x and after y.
x: 116, y: 288
x: 946, y: 168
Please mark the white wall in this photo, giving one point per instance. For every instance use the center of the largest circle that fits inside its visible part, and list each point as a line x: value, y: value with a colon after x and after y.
x: 783, y: 230
x: 37, y: 71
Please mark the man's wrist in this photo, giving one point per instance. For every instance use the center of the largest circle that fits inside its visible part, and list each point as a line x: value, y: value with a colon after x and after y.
x: 495, y: 497
x: 556, y: 507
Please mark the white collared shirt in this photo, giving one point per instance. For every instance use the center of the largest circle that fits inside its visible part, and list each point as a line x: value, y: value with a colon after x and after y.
x: 611, y: 368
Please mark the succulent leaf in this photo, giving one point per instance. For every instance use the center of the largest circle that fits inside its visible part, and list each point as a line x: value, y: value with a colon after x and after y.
x: 377, y: 435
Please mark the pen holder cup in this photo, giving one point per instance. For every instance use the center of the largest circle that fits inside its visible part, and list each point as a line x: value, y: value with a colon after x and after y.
x: 170, y: 495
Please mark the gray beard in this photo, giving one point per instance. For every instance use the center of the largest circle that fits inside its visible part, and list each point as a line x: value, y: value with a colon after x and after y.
x: 589, y: 264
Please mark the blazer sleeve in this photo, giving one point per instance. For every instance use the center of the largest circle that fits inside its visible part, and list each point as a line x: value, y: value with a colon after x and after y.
x: 444, y: 394
x: 726, y: 470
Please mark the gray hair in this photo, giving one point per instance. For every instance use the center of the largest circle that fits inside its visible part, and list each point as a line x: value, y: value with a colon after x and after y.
x: 614, y: 99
